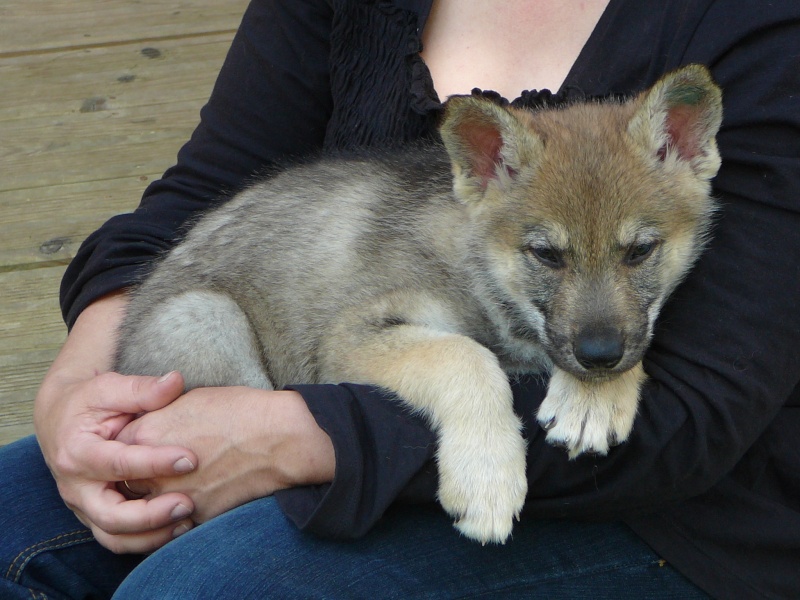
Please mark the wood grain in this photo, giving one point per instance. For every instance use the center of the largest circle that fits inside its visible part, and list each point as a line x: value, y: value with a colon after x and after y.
x: 97, y: 98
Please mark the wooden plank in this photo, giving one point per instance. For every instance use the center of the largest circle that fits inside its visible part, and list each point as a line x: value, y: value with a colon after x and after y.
x: 31, y: 332
x: 42, y: 25
x: 20, y: 377
x: 67, y: 171
x: 95, y: 126
x: 109, y: 145
x: 114, y: 77
x: 30, y: 317
x: 127, y: 129
x: 46, y: 225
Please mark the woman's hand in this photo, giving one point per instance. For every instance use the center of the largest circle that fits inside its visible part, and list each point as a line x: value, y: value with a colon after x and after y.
x: 79, y: 411
x: 249, y: 443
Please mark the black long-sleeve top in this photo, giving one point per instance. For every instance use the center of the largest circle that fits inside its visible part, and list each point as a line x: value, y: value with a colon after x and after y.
x: 710, y: 477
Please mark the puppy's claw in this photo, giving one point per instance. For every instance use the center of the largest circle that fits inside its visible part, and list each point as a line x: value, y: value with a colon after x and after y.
x: 547, y: 426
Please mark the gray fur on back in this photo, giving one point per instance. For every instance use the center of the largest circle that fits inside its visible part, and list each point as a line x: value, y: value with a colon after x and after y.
x: 295, y: 250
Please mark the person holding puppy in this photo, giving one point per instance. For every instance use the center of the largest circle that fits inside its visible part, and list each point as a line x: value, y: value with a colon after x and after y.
x: 701, y: 500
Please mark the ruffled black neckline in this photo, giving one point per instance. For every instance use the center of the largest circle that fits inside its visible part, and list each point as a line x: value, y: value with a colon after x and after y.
x: 535, y: 99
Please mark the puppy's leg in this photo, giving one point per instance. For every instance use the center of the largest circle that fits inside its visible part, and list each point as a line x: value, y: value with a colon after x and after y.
x: 459, y: 385
x: 585, y: 416
x: 202, y: 334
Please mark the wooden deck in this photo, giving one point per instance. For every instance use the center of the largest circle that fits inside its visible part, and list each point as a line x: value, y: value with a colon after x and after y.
x: 96, y: 97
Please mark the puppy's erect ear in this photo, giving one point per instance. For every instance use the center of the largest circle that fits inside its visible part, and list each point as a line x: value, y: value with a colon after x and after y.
x: 678, y: 119
x: 486, y: 143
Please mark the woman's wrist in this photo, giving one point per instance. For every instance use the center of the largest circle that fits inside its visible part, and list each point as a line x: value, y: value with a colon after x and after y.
x: 306, y: 455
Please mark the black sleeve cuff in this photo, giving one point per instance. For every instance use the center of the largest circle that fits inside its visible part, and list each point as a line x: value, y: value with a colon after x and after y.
x: 383, y: 453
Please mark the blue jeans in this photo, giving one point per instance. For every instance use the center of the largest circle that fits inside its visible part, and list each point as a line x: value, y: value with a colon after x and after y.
x: 254, y: 552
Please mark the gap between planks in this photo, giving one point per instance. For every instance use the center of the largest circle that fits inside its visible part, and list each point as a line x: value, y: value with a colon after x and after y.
x: 114, y: 44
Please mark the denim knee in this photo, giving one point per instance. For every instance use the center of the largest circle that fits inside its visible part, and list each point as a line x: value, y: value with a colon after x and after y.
x: 45, y: 551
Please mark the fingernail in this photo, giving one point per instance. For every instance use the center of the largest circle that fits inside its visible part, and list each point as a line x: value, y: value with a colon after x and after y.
x: 163, y: 378
x: 180, y: 530
x: 183, y: 465
x: 181, y: 511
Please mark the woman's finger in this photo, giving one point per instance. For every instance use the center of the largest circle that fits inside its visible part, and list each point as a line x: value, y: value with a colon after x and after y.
x: 137, y: 543
x: 112, y: 513
x: 109, y: 460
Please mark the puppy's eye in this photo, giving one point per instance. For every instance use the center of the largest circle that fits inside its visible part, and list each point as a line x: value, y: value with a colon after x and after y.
x: 549, y: 257
x: 638, y: 253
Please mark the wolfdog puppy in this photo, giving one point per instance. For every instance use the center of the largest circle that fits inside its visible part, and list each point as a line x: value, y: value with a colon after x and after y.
x: 528, y: 241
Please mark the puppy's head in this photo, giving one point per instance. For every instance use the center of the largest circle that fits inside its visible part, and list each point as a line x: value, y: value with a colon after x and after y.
x: 587, y: 216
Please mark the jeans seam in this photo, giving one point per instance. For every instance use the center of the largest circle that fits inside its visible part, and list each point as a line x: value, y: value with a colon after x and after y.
x: 22, y: 559
x: 582, y: 573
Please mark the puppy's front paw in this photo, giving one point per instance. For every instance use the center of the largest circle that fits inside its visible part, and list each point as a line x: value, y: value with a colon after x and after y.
x: 482, y: 481
x: 590, y: 416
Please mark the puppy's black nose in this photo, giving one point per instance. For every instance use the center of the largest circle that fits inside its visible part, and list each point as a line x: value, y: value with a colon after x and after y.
x: 599, y: 348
